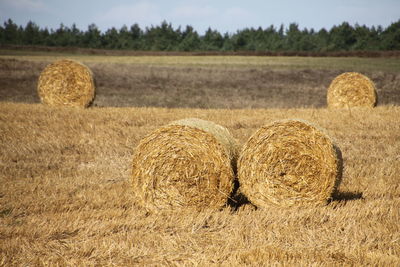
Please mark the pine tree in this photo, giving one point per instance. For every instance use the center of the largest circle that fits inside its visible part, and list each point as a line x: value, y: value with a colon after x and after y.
x: 11, y: 33
x: 190, y: 40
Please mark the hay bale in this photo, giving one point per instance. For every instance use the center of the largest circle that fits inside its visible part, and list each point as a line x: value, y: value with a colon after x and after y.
x: 187, y: 163
x: 289, y: 163
x: 351, y: 89
x: 66, y: 83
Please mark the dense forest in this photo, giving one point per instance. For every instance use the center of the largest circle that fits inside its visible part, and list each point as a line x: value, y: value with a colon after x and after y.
x: 165, y: 37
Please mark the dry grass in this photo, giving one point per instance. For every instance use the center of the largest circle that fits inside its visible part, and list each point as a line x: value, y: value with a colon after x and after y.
x: 65, y: 174
x: 289, y: 163
x: 185, y: 164
x: 132, y: 85
x: 278, y: 85
x: 66, y: 199
x: 66, y: 83
x: 280, y: 62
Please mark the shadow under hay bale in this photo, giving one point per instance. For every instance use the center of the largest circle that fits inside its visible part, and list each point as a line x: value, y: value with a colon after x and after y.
x: 347, y: 196
x: 351, y: 89
x: 238, y: 200
x: 186, y: 164
x: 289, y: 163
x: 66, y: 83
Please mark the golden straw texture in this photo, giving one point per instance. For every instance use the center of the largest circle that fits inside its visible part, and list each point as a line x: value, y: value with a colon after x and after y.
x: 351, y: 89
x: 222, y: 134
x: 289, y: 163
x: 184, y: 164
x: 66, y: 83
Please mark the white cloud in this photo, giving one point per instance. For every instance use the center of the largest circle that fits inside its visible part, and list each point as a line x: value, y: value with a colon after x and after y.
x: 237, y: 13
x: 235, y: 18
x: 142, y: 12
x: 193, y: 12
x: 31, y: 5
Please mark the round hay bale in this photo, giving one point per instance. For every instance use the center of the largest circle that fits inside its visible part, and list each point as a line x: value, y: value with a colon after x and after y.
x: 187, y: 163
x: 351, y: 89
x: 66, y: 83
x: 289, y: 163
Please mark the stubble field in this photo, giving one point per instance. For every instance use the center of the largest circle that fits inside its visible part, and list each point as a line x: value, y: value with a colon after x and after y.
x: 65, y: 194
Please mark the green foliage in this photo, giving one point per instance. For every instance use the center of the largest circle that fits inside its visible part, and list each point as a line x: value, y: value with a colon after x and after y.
x: 391, y: 37
x: 161, y: 38
x: 164, y: 37
x: 212, y: 40
x: 31, y: 34
x: 11, y: 34
x: 92, y: 37
x: 190, y: 40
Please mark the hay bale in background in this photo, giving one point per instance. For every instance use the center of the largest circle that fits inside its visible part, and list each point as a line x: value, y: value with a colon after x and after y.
x: 289, y: 163
x: 187, y: 163
x: 66, y: 83
x: 351, y: 89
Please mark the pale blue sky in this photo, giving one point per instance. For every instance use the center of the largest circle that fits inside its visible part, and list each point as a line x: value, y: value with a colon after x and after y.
x: 222, y: 15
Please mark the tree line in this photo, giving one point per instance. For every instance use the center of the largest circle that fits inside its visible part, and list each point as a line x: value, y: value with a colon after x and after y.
x: 165, y: 37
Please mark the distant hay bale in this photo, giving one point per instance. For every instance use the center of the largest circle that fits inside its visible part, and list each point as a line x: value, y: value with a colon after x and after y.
x: 351, y: 89
x: 289, y: 163
x: 66, y: 83
x: 187, y: 163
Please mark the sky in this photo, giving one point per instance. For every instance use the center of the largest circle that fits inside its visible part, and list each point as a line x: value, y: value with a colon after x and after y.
x: 222, y: 15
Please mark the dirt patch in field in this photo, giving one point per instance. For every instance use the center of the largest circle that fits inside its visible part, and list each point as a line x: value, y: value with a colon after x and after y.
x: 124, y: 85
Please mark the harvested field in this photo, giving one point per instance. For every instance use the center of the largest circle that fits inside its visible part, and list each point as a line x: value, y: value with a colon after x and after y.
x: 66, y: 196
x: 212, y: 82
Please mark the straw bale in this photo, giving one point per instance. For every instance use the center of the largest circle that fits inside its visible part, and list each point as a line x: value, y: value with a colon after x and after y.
x: 222, y: 134
x: 187, y: 163
x: 289, y: 163
x: 351, y: 89
x: 66, y: 83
